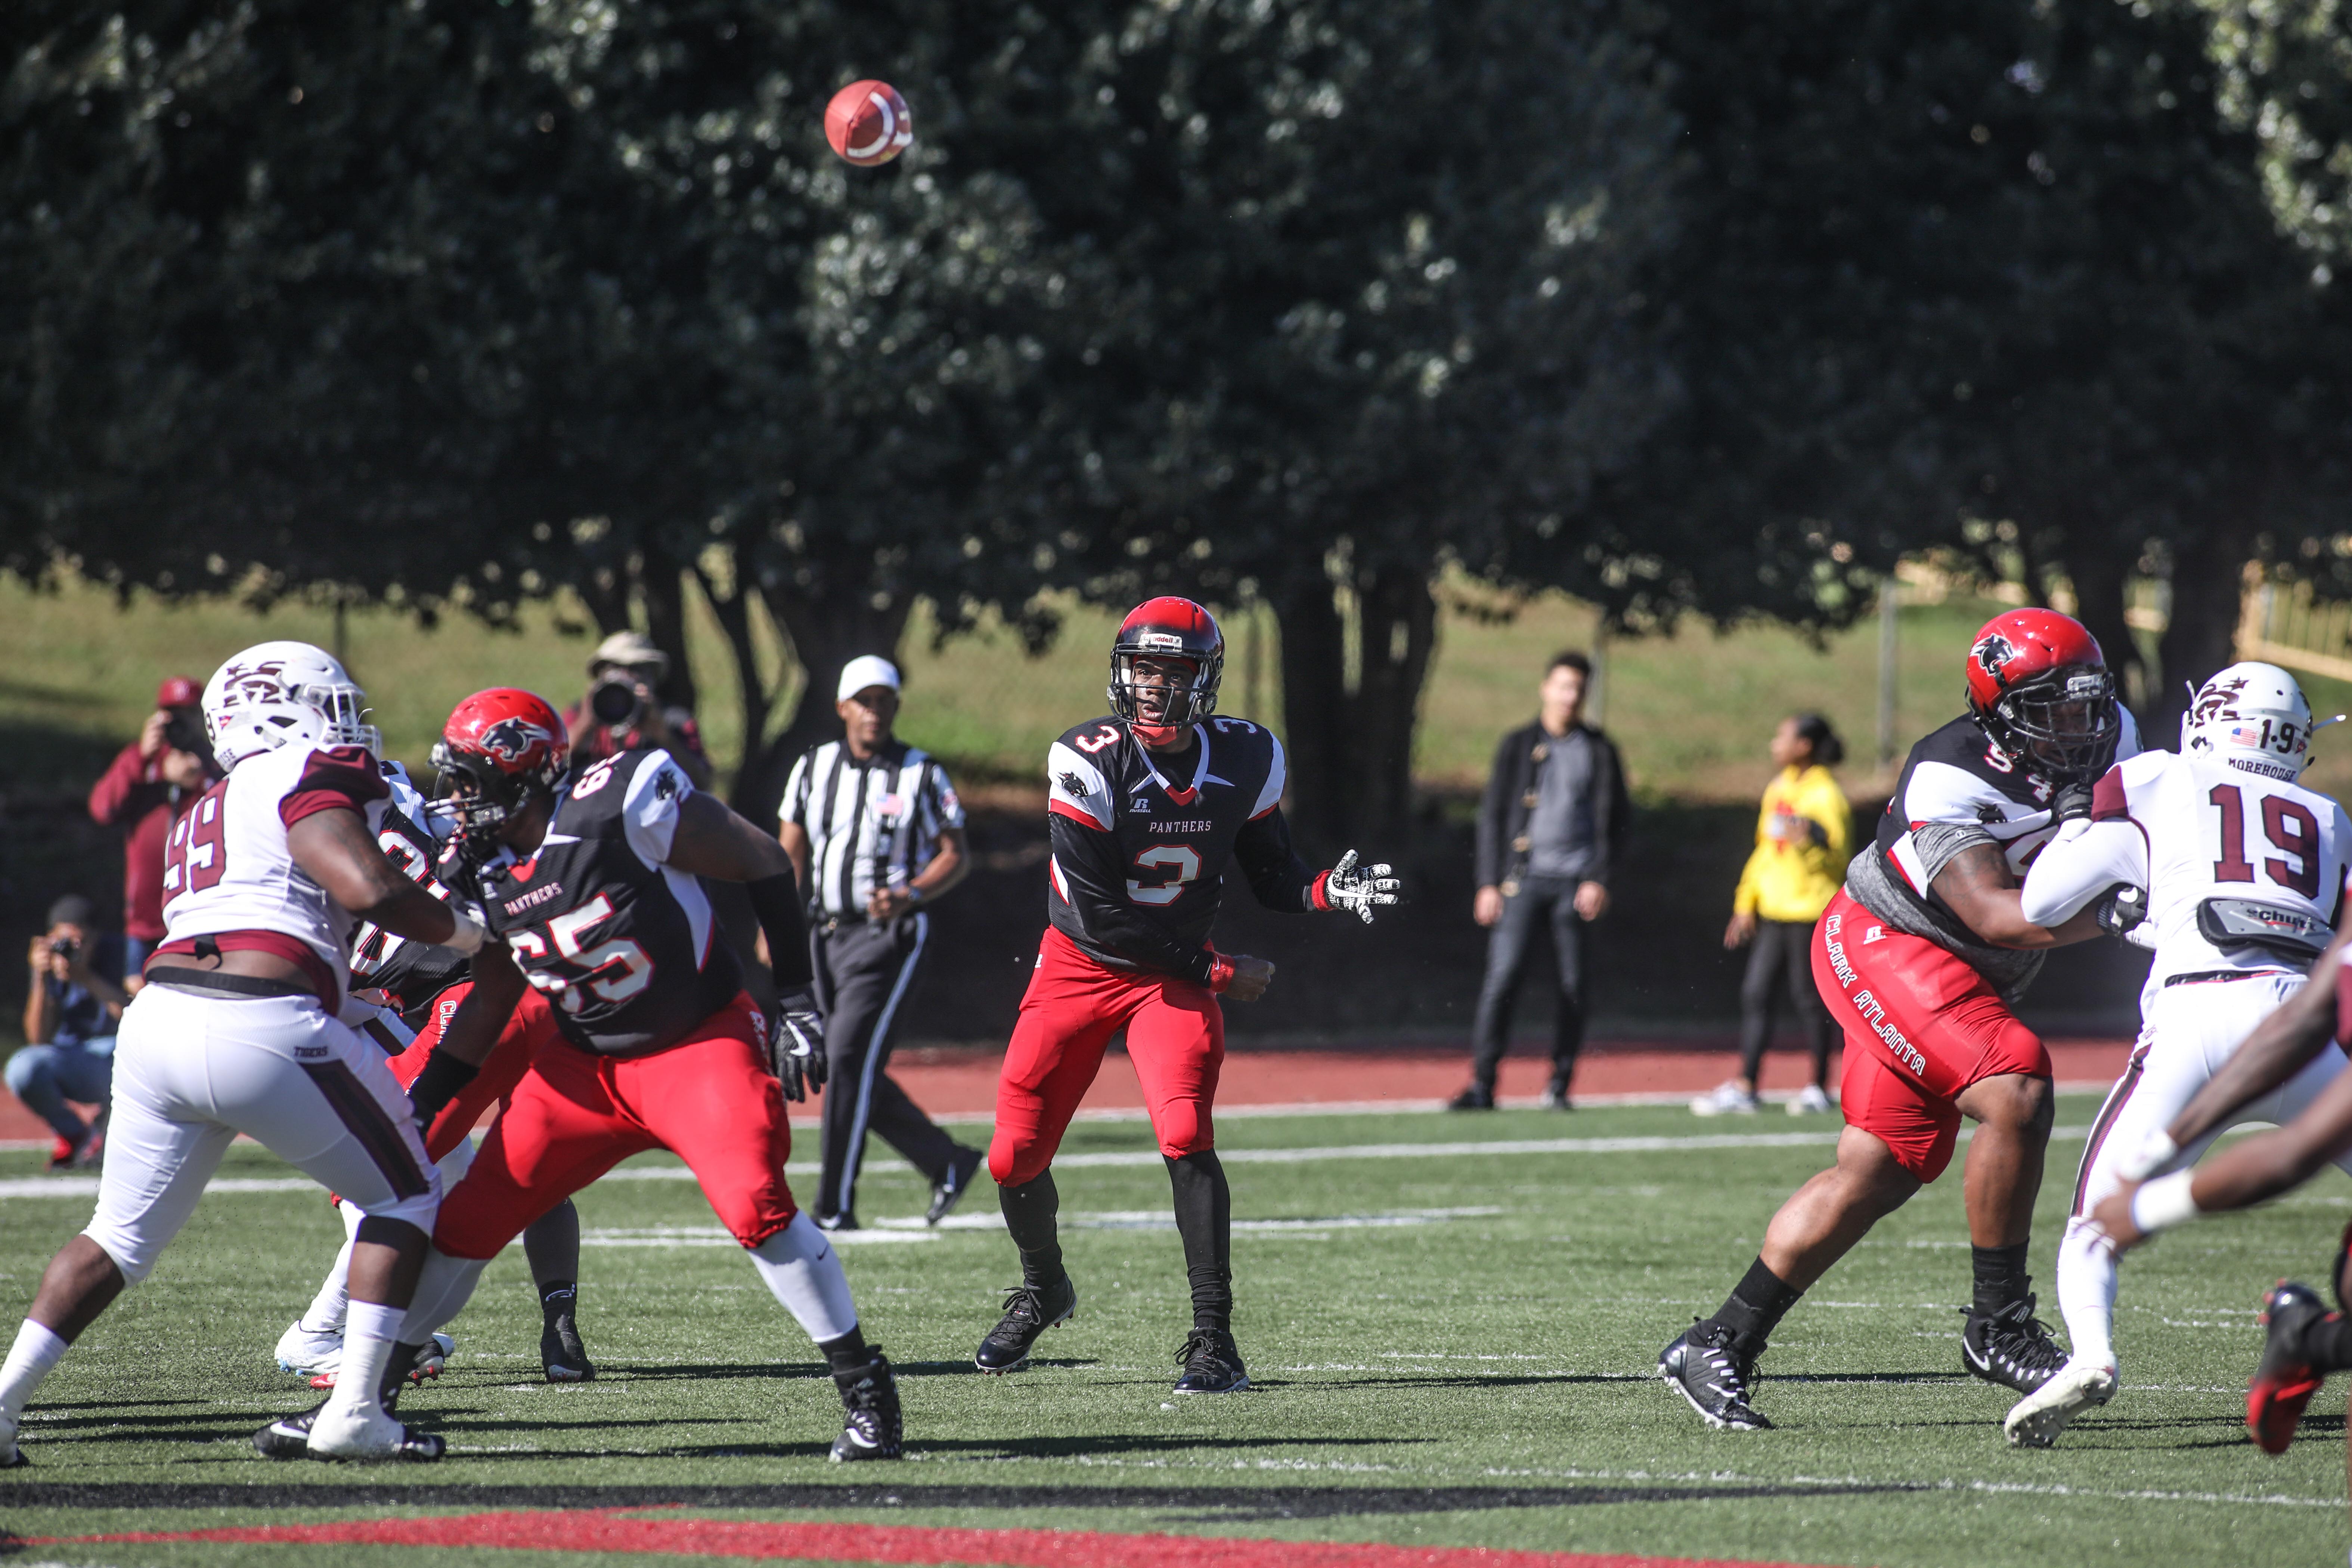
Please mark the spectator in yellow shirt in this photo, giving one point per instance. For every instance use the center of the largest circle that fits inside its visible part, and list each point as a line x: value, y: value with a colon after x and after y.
x: 1802, y: 837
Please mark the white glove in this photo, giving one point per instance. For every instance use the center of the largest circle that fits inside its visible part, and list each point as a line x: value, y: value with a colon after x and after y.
x: 796, y: 1046
x: 467, y: 938
x: 1345, y: 888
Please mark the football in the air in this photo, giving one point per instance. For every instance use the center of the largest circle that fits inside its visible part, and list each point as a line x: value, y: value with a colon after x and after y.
x: 867, y: 123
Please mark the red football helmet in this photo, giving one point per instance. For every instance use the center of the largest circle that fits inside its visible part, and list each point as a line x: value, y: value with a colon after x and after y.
x: 2041, y: 690
x: 1166, y: 629
x: 499, y: 748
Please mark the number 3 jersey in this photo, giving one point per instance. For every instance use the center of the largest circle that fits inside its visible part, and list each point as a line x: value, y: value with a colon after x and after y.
x: 1140, y: 856
x: 625, y: 945
x: 2194, y: 831
x: 229, y: 873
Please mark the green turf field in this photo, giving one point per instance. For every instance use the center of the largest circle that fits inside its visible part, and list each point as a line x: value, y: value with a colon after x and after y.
x: 1451, y: 1348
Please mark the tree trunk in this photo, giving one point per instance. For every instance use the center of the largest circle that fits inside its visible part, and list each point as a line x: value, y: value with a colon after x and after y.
x: 733, y: 614
x: 661, y: 584
x: 1351, y: 750
x: 2098, y: 568
x: 825, y: 635
x: 2200, y: 635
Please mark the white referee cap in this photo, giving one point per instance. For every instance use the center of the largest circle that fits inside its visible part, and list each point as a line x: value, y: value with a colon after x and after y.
x: 867, y: 669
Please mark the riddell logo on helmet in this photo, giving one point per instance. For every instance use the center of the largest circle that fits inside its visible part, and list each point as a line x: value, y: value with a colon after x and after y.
x: 1160, y: 642
x: 1994, y: 653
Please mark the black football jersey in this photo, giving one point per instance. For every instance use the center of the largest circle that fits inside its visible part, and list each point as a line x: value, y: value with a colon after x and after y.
x: 1139, y: 852
x: 411, y: 974
x: 1956, y: 777
x: 626, y: 947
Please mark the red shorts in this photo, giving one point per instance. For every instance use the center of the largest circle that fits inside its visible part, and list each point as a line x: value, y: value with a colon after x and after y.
x: 531, y: 1026
x: 710, y: 1099
x: 1175, y: 1037
x: 1921, y: 1025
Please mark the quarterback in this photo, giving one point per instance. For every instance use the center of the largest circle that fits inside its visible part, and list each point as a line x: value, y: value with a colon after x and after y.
x: 1920, y: 958
x: 1147, y: 807
x: 241, y: 1028
x: 2243, y: 876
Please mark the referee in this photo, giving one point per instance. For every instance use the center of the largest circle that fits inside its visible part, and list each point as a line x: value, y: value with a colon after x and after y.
x: 875, y: 832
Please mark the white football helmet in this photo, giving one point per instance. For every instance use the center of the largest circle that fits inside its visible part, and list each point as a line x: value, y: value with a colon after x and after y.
x: 278, y: 693
x: 2253, y: 717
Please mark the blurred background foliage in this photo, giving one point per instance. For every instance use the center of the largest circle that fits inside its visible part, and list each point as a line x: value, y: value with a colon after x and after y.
x: 1381, y: 325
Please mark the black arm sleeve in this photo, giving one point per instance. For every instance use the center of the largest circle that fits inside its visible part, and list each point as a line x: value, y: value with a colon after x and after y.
x: 1491, y: 809
x: 1276, y: 875
x: 777, y: 901
x: 1097, y: 885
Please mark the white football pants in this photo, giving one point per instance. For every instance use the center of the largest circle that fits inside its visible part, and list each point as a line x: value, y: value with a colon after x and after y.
x: 194, y: 1071
x: 2186, y: 1035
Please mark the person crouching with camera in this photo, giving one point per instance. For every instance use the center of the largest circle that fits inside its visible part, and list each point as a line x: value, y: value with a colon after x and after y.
x: 623, y: 709
x: 76, y: 1002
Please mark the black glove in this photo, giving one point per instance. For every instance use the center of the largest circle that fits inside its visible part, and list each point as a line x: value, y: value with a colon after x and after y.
x: 443, y: 1079
x: 2121, y: 909
x: 796, y: 1045
x: 2072, y: 803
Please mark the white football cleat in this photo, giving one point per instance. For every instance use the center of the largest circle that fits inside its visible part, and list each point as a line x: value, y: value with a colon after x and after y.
x: 1810, y: 1101
x: 2037, y: 1419
x: 429, y: 1362
x: 363, y: 1432
x: 301, y: 1350
x: 9, y: 1457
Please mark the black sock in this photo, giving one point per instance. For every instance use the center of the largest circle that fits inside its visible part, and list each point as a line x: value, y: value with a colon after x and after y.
x: 848, y: 1354
x: 1756, y: 1306
x: 558, y: 1295
x: 1029, y: 1211
x: 1205, y: 1218
x: 395, y: 1371
x: 2000, y: 1276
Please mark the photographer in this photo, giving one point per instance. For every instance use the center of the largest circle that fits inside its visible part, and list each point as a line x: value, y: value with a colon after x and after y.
x: 153, y: 780
x: 75, y: 1003
x: 622, y: 707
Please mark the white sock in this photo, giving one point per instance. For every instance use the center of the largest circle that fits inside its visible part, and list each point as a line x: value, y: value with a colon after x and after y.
x: 2086, y: 1293
x: 803, y: 1270
x: 442, y: 1292
x: 37, y: 1349
x: 369, y: 1332
x: 325, y: 1313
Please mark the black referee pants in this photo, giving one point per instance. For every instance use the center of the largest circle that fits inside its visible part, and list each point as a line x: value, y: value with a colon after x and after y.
x: 864, y: 970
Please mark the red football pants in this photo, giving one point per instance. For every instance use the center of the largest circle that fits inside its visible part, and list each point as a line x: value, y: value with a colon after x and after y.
x: 1175, y: 1037
x: 532, y: 1026
x: 710, y: 1099
x: 1921, y: 1025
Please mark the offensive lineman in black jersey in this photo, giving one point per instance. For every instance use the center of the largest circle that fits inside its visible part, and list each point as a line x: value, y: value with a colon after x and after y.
x: 1147, y: 806
x: 588, y: 880
x: 424, y: 986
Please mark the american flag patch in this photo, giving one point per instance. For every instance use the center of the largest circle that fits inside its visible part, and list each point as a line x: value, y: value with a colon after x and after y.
x: 2248, y: 735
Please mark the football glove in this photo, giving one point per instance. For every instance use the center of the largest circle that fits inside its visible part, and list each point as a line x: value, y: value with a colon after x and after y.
x: 2121, y: 909
x: 796, y: 1045
x: 2072, y: 803
x: 1346, y: 886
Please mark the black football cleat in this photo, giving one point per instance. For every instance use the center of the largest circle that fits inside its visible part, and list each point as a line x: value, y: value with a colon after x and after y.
x: 562, y: 1356
x: 1704, y: 1366
x: 1029, y: 1312
x: 1477, y: 1096
x: 2287, y: 1377
x: 1211, y: 1363
x: 288, y: 1437
x: 874, y: 1429
x: 961, y: 1168
x: 2011, y: 1347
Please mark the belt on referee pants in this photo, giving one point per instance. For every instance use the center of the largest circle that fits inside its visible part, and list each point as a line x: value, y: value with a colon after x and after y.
x: 2213, y: 977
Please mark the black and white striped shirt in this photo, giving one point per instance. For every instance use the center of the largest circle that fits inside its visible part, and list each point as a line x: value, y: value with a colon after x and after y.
x: 871, y: 824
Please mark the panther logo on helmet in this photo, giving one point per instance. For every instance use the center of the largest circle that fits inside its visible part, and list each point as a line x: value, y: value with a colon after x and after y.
x: 1993, y: 653
x: 512, y: 741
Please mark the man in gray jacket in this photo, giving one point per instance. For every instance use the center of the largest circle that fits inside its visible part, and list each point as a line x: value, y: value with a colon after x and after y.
x: 1553, y: 819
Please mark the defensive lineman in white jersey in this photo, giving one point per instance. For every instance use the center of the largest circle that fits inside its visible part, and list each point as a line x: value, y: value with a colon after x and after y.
x: 240, y: 1029
x: 2243, y: 876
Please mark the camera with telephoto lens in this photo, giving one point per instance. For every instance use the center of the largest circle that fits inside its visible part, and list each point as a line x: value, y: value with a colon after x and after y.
x: 184, y: 731
x: 65, y: 947
x: 615, y: 702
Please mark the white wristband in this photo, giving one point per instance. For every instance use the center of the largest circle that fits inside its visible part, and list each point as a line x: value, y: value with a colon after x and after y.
x: 2154, y: 1152
x: 467, y: 938
x: 2164, y: 1202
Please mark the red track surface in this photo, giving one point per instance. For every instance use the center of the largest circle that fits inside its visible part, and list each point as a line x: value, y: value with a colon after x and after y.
x: 964, y: 1082
x: 605, y: 1531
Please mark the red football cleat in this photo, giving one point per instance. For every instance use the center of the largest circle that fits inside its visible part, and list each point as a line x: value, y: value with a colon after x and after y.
x: 2286, y: 1379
